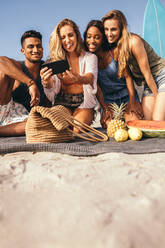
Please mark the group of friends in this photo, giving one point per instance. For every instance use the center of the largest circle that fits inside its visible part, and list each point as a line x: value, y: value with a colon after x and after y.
x: 104, y: 67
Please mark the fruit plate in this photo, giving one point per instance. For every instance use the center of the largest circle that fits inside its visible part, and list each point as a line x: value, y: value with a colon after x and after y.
x: 149, y: 128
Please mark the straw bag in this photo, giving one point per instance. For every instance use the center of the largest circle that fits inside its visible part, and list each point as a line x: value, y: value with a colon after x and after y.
x: 55, y: 125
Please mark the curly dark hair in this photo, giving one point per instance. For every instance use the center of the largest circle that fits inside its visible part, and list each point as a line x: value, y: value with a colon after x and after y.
x: 98, y: 24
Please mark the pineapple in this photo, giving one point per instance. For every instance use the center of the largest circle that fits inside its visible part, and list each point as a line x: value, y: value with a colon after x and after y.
x: 117, y: 122
x: 121, y: 135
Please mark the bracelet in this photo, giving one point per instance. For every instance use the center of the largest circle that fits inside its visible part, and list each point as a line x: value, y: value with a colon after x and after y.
x: 31, y: 83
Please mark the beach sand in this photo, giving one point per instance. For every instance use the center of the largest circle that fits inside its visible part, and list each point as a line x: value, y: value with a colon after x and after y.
x: 53, y: 200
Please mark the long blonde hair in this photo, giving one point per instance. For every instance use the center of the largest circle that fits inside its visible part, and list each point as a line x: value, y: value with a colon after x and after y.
x: 123, y: 42
x: 56, y: 49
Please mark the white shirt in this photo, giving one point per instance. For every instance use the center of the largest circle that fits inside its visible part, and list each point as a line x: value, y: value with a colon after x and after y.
x: 88, y: 63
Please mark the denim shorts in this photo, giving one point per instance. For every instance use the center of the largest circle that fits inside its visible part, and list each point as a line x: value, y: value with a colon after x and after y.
x: 160, y: 82
x: 124, y: 99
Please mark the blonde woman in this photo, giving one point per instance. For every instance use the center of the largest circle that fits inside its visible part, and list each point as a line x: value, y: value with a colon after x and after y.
x: 145, y: 66
x: 111, y: 89
x: 76, y: 87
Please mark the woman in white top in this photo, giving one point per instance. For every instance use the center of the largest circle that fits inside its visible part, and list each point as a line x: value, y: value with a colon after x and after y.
x: 75, y: 88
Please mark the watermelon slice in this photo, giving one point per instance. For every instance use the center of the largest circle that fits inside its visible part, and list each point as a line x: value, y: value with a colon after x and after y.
x: 149, y: 128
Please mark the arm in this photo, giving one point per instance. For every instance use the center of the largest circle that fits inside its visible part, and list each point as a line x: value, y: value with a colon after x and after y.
x: 70, y: 77
x: 130, y: 87
x: 67, y: 78
x: 89, y: 75
x: 100, y: 98
x: 87, y: 78
x: 138, y: 50
x: 88, y: 72
x: 46, y: 77
x: 132, y: 105
x: 107, y: 113
x: 13, y: 69
x: 51, y: 83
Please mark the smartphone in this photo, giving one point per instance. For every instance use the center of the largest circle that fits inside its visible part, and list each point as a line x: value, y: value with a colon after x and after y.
x: 58, y: 66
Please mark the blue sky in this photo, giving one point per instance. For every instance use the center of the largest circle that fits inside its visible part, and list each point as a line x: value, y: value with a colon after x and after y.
x: 18, y: 16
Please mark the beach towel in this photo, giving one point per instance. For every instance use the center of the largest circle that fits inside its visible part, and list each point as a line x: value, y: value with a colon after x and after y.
x: 79, y: 147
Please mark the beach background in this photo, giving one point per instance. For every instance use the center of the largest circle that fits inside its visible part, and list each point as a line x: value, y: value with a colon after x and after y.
x: 54, y: 200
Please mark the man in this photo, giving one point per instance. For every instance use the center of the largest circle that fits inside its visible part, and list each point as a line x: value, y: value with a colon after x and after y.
x: 20, y: 85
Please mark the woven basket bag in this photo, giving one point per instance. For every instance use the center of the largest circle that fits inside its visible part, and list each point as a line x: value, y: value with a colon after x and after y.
x: 55, y: 125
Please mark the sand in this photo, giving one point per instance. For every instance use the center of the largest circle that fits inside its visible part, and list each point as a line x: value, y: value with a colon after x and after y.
x: 53, y: 200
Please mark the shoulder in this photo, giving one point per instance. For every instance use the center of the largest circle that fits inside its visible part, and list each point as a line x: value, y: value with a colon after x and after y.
x: 9, y: 61
x: 135, y: 41
x: 137, y: 46
x: 88, y: 56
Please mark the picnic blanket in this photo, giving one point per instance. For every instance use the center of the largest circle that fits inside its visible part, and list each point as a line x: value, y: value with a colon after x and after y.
x: 79, y: 147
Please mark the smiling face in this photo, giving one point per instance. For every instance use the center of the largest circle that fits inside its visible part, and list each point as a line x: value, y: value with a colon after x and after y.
x: 32, y: 49
x: 112, y: 30
x: 94, y: 39
x: 68, y: 38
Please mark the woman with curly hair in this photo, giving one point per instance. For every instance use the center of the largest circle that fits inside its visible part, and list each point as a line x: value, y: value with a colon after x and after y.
x: 75, y: 88
x: 111, y: 88
x: 135, y: 55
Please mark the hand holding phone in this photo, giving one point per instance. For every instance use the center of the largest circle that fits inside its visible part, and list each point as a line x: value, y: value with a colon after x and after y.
x: 57, y: 67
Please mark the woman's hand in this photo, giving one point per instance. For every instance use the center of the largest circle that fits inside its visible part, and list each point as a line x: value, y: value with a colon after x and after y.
x: 106, y: 117
x: 46, y: 76
x: 69, y: 77
x: 135, y: 108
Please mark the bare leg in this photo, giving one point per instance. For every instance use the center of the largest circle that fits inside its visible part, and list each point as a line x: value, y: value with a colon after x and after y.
x: 159, y: 107
x: 83, y: 115
x: 6, y: 86
x: 14, y: 129
x: 148, y: 106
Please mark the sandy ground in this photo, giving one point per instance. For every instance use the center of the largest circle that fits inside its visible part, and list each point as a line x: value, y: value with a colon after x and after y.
x: 53, y: 200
